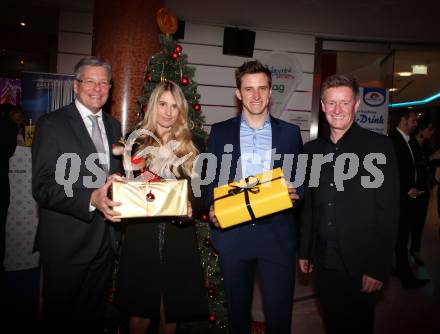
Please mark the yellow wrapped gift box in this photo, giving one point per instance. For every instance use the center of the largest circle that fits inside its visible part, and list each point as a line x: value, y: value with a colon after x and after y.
x: 151, y: 199
x: 253, y: 197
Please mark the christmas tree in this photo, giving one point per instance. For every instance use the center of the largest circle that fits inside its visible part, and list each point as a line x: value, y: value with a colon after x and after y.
x: 171, y: 63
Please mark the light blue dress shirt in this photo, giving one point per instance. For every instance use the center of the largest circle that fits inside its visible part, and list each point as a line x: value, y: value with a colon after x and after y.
x: 255, y: 147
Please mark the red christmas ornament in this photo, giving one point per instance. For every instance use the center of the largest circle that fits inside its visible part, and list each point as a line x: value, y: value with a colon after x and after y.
x: 150, y: 196
x: 174, y: 55
x: 184, y: 81
x: 197, y: 107
x: 135, y: 160
x: 204, y: 218
x: 212, y: 317
x: 178, y: 48
x: 148, y: 77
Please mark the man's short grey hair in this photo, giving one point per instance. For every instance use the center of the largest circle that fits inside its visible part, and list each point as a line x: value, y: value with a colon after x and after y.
x: 92, y: 61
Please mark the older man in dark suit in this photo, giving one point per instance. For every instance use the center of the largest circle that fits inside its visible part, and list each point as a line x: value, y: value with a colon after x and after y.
x: 267, y: 245
x: 71, y: 159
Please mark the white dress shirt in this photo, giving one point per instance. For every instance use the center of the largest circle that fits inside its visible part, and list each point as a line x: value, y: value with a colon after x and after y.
x: 85, y: 113
x: 407, y: 138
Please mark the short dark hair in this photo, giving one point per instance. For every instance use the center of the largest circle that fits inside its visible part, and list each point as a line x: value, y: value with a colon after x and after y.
x: 423, y: 123
x: 92, y: 61
x: 252, y: 67
x: 404, y: 113
x: 396, y: 116
x: 340, y: 80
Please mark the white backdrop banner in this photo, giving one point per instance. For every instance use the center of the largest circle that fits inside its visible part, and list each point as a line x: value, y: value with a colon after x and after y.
x: 286, y: 75
x: 22, y: 221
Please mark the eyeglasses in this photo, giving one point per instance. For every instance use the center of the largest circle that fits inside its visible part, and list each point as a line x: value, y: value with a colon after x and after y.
x: 344, y: 104
x: 92, y: 84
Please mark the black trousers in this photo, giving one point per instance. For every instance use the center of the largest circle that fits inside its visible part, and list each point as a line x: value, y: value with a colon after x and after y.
x: 4, y: 206
x: 346, y: 310
x: 258, y: 252
x: 418, y: 221
x: 75, y: 295
x: 404, y: 271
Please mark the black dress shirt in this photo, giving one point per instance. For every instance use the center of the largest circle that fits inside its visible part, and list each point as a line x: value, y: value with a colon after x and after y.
x: 329, y: 255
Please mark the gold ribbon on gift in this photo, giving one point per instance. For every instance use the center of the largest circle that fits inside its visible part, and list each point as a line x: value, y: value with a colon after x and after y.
x: 168, y: 198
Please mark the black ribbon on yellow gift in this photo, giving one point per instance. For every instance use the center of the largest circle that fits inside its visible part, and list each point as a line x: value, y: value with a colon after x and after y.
x: 252, y: 187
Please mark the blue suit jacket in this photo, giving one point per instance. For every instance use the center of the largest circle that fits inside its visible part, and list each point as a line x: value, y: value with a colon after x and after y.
x: 286, y: 139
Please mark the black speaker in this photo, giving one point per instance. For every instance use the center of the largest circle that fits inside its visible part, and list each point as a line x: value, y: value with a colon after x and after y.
x: 238, y: 42
x: 247, y: 42
x: 230, y: 41
x: 180, y: 33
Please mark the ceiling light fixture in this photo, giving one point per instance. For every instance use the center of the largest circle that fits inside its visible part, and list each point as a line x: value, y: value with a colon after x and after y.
x: 23, y: 24
x: 404, y: 74
x: 419, y: 69
x: 393, y: 89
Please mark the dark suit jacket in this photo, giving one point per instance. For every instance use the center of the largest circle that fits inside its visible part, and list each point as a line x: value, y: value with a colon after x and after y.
x: 8, y: 145
x: 67, y: 230
x: 366, y: 219
x: 286, y: 139
x: 406, y: 165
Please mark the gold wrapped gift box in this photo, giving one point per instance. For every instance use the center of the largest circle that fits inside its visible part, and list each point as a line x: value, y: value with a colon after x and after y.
x: 254, y: 197
x: 151, y: 199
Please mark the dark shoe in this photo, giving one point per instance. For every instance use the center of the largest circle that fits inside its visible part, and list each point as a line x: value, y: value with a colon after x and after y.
x: 415, y: 283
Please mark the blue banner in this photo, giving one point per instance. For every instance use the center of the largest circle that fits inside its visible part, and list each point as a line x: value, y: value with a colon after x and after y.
x: 45, y: 92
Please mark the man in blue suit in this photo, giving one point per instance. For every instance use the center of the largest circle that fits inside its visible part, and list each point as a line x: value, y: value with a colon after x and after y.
x: 266, y: 245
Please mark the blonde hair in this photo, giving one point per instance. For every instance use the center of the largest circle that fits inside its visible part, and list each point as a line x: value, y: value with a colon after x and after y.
x: 179, y: 130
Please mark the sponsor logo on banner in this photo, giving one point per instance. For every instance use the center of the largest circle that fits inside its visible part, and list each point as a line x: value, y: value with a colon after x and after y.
x: 373, y: 110
x: 374, y: 97
x: 286, y: 76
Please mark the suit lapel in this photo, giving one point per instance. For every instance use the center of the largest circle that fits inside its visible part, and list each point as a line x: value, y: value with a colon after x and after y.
x: 277, y: 143
x: 110, y: 139
x: 80, y: 130
x: 236, y: 151
x: 83, y: 136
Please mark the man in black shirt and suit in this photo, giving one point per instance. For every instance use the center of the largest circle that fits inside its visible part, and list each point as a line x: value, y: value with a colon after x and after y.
x: 350, y: 213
